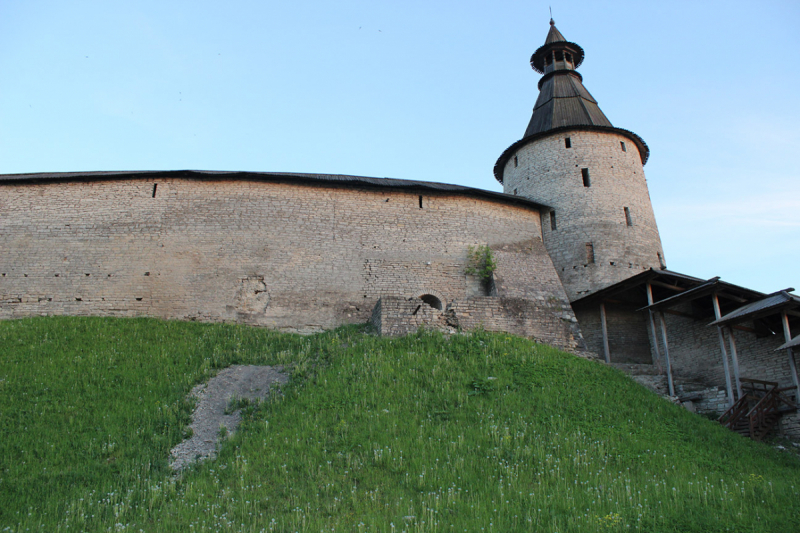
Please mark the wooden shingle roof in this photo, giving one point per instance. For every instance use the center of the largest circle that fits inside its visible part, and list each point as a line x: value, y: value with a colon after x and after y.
x: 564, y: 101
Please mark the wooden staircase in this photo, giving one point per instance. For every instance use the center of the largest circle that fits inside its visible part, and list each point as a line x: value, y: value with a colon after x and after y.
x: 759, y: 408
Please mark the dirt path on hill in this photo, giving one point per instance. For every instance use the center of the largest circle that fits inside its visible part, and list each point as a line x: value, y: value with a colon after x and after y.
x: 213, y: 398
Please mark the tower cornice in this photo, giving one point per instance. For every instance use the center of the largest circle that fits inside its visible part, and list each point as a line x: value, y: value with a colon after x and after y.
x: 549, y: 75
x: 499, y: 167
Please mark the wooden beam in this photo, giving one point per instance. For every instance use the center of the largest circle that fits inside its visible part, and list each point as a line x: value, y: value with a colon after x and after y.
x: 787, y: 335
x: 680, y: 313
x: 657, y: 358
x: 667, y: 286
x: 695, y: 317
x: 729, y: 296
x: 728, y: 385
x: 666, y: 355
x: 605, y: 331
x: 735, y: 359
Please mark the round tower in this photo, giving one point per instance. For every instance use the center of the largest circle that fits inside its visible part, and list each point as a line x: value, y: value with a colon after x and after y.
x: 601, y: 229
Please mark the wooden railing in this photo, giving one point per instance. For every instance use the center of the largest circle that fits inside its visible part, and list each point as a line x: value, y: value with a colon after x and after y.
x: 731, y: 418
x: 757, y: 411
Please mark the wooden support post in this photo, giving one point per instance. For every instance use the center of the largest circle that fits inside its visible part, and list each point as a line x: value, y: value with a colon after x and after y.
x: 657, y: 358
x: 666, y: 354
x: 787, y: 335
x: 725, y: 366
x: 735, y: 359
x: 605, y: 331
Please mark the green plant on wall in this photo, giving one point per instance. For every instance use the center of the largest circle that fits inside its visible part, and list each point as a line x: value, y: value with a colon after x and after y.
x: 480, y: 262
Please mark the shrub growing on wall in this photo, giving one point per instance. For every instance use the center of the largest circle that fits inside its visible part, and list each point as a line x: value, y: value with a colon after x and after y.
x: 481, y: 262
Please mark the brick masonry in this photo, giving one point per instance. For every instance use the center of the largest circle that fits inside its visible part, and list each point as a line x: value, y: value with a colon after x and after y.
x: 547, y: 171
x: 295, y: 257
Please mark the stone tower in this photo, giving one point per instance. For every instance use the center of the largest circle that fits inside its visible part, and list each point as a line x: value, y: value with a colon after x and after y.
x: 602, y: 228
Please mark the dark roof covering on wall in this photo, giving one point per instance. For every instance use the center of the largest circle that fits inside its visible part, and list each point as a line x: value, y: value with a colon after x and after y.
x: 286, y: 177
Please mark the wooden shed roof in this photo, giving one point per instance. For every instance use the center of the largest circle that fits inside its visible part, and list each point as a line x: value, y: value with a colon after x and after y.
x: 769, y: 305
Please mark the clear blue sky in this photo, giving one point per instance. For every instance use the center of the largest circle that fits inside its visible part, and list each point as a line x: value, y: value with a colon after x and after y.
x: 422, y: 90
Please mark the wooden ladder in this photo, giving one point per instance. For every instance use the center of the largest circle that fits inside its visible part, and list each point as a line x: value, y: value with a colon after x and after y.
x: 759, y: 408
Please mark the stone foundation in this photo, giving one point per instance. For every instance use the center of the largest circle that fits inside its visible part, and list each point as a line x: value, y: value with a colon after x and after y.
x: 548, y: 323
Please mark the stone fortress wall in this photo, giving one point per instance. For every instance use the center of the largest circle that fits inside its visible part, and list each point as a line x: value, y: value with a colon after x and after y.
x: 593, y: 241
x: 292, y: 256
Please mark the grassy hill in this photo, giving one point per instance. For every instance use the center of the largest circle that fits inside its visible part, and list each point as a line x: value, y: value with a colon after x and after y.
x: 479, y: 432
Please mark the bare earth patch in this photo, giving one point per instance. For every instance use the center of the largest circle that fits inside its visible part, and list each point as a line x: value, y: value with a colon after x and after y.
x: 237, y: 382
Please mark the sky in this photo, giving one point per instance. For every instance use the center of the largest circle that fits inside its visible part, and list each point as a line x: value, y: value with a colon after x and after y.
x: 422, y: 90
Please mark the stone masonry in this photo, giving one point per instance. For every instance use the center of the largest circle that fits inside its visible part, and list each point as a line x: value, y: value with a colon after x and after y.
x: 596, y: 242
x: 548, y: 322
x: 292, y: 256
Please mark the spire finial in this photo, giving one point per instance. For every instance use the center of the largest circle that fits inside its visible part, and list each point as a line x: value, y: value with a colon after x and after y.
x: 552, y: 22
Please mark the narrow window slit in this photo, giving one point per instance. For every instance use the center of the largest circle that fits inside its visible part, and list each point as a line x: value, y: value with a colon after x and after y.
x: 589, y: 252
x: 155, y: 186
x: 585, y: 174
x: 420, y: 202
x: 567, y: 142
x: 553, y: 220
x: 622, y: 145
x: 628, y: 219
x: 516, y: 161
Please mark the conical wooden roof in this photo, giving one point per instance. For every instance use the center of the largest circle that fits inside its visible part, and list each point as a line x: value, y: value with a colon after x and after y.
x: 563, y: 100
x: 554, y: 36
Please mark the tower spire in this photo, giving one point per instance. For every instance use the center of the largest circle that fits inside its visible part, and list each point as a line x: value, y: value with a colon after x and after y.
x: 600, y: 228
x: 563, y: 100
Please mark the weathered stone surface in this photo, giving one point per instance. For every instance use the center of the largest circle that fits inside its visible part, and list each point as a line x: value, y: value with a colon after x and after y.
x: 295, y: 257
x: 548, y: 172
x: 549, y: 322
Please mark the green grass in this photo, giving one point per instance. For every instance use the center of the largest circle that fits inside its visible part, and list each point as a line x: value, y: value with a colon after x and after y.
x: 478, y: 432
